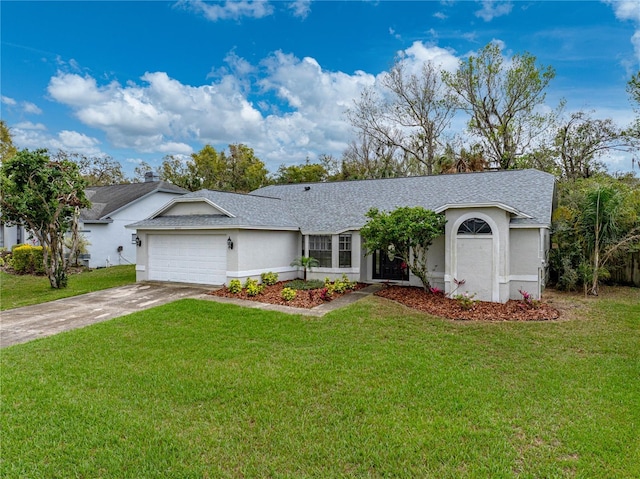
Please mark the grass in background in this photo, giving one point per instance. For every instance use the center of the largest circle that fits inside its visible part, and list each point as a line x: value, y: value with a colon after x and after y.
x: 202, y: 389
x: 25, y: 290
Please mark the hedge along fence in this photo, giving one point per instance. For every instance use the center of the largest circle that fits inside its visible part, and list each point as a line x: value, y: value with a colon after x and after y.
x: 629, y: 273
x: 27, y: 259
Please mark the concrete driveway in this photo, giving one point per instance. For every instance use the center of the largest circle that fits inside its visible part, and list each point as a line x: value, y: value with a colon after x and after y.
x: 30, y: 322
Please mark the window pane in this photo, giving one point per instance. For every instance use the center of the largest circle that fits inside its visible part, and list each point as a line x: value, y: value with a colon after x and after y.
x: 320, y: 249
x: 344, y: 258
x: 474, y: 226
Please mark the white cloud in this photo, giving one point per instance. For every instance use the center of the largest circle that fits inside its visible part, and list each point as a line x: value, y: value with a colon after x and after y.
x: 303, y: 106
x: 419, y: 53
x: 230, y: 9
x: 8, y: 101
x: 629, y: 10
x: 77, y: 141
x: 300, y: 8
x: 27, y: 125
x: 440, y: 16
x: 33, y: 136
x: 25, y: 106
x: 494, y: 8
x: 32, y: 108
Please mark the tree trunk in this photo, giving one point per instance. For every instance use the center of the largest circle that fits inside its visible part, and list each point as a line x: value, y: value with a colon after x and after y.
x: 596, y: 250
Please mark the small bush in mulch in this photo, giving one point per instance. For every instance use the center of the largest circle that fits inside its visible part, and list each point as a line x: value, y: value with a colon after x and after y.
x: 439, y: 305
x: 273, y: 295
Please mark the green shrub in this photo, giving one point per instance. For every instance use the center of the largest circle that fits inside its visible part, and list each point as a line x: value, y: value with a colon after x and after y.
x: 253, y: 288
x: 269, y: 278
x: 27, y: 259
x: 235, y: 286
x: 305, y: 285
x: 348, y: 283
x: 288, y: 294
x: 339, y: 286
x: 38, y: 259
x: 250, y: 282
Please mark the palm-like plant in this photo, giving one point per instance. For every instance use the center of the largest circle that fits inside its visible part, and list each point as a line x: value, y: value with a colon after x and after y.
x: 305, y: 262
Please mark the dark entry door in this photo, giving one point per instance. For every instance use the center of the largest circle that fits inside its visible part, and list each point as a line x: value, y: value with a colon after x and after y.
x: 391, y: 269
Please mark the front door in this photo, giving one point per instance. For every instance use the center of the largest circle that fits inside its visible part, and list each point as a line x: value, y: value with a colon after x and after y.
x: 389, y: 269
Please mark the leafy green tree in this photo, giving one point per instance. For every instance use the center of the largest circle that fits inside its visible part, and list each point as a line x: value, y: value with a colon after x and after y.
x: 633, y: 88
x: 45, y: 196
x: 7, y: 149
x: 595, y: 226
x: 307, y: 263
x: 140, y: 171
x: 305, y: 173
x: 501, y: 98
x: 176, y: 170
x: 239, y: 170
x: 407, y: 232
x: 208, y: 169
x: 245, y: 171
x: 96, y: 170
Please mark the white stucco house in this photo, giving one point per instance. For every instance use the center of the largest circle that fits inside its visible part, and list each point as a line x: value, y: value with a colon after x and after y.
x: 496, y: 237
x: 112, y: 208
x: 13, y: 235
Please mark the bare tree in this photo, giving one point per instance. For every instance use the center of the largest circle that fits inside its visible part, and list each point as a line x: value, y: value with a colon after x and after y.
x: 582, y: 140
x: 369, y: 158
x: 412, y: 116
x: 501, y: 99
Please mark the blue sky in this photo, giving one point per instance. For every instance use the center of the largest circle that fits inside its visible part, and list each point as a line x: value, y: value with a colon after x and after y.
x: 140, y: 80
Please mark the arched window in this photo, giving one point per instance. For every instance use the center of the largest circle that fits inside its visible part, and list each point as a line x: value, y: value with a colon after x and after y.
x: 474, y: 226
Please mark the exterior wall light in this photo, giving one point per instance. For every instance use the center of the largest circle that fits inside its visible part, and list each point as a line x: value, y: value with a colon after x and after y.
x: 229, y: 243
x: 138, y: 241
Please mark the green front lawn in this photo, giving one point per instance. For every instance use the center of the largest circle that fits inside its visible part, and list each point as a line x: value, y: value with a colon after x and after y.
x: 24, y: 290
x: 202, y: 389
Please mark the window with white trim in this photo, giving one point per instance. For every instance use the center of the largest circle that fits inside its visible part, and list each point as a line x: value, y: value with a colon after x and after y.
x: 320, y: 249
x: 344, y: 242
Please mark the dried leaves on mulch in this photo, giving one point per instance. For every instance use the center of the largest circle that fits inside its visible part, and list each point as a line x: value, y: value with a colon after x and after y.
x: 272, y: 295
x: 438, y: 305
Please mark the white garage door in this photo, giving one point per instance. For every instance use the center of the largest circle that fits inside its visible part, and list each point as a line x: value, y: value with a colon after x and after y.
x: 198, y: 259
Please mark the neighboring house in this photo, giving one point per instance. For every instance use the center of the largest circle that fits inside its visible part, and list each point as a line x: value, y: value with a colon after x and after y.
x: 496, y: 237
x: 13, y: 235
x: 112, y: 208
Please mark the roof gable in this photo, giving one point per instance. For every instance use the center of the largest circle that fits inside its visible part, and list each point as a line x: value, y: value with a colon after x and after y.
x: 107, y: 200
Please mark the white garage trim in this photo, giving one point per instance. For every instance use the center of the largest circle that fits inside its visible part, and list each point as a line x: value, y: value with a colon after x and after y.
x: 199, y: 259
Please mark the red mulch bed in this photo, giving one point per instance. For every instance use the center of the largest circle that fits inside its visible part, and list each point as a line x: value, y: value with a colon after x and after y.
x: 271, y: 294
x: 438, y: 305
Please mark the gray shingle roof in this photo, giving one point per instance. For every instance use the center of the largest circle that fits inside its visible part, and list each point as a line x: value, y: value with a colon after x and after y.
x: 248, y: 211
x: 105, y: 200
x: 338, y: 206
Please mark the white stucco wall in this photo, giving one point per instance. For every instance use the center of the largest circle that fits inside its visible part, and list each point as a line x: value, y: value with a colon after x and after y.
x: 528, y: 260
x: 105, y: 238
x: 9, y: 236
x: 192, y: 208
x: 498, y: 219
x: 261, y: 251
